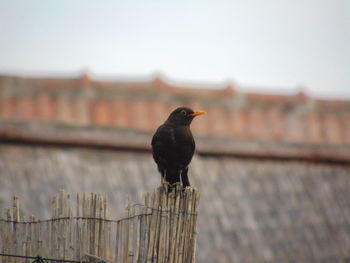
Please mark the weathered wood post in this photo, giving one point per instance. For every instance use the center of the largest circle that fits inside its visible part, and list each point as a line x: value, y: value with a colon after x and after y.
x: 163, y: 228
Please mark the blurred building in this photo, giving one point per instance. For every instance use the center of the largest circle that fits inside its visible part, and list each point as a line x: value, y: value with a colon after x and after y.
x: 144, y: 105
x: 273, y: 170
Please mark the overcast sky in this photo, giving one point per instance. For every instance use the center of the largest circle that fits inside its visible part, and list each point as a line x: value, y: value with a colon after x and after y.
x: 280, y: 45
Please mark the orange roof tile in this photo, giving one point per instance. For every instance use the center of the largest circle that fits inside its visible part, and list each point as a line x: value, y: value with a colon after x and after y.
x: 144, y: 105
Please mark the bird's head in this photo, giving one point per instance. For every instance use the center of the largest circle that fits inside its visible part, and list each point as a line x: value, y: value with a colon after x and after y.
x: 183, y: 116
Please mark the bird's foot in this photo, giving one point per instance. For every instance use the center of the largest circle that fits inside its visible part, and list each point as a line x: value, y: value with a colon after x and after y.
x: 166, y: 186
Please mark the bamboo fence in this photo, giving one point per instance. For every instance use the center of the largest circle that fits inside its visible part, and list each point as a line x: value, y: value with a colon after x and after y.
x: 163, y: 228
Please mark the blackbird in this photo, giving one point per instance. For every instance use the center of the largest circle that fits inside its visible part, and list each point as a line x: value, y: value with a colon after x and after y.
x: 173, y: 146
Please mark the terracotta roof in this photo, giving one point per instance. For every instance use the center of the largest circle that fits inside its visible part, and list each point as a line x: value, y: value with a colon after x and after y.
x: 136, y: 140
x: 144, y: 105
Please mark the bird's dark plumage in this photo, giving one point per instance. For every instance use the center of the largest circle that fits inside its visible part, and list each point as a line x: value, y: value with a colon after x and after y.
x: 173, y: 146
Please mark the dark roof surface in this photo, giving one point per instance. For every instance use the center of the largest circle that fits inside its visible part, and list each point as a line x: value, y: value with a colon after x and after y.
x: 250, y: 210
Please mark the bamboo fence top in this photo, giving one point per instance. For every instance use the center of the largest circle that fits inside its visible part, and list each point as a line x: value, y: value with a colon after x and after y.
x: 162, y: 228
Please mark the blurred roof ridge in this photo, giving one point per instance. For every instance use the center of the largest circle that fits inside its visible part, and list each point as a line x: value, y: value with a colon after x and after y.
x: 229, y: 86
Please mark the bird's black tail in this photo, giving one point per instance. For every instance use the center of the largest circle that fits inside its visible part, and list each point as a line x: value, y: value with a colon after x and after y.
x: 172, y: 177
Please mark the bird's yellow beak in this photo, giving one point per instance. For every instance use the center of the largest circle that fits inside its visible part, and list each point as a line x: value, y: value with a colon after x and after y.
x: 200, y: 112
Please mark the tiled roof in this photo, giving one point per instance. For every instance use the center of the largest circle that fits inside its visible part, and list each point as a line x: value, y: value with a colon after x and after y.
x: 144, y: 105
x: 136, y: 140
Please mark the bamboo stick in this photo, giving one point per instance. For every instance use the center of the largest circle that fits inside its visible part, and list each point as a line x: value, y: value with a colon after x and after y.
x: 126, y: 224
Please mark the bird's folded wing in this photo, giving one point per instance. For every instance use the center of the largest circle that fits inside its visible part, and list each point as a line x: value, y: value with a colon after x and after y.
x: 164, y: 135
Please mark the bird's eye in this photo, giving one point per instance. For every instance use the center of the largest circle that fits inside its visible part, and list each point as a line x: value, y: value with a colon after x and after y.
x: 183, y: 112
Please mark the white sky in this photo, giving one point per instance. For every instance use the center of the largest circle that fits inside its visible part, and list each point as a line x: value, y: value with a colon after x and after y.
x: 279, y: 45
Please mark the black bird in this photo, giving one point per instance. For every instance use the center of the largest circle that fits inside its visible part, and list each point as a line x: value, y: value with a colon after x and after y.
x: 173, y: 146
